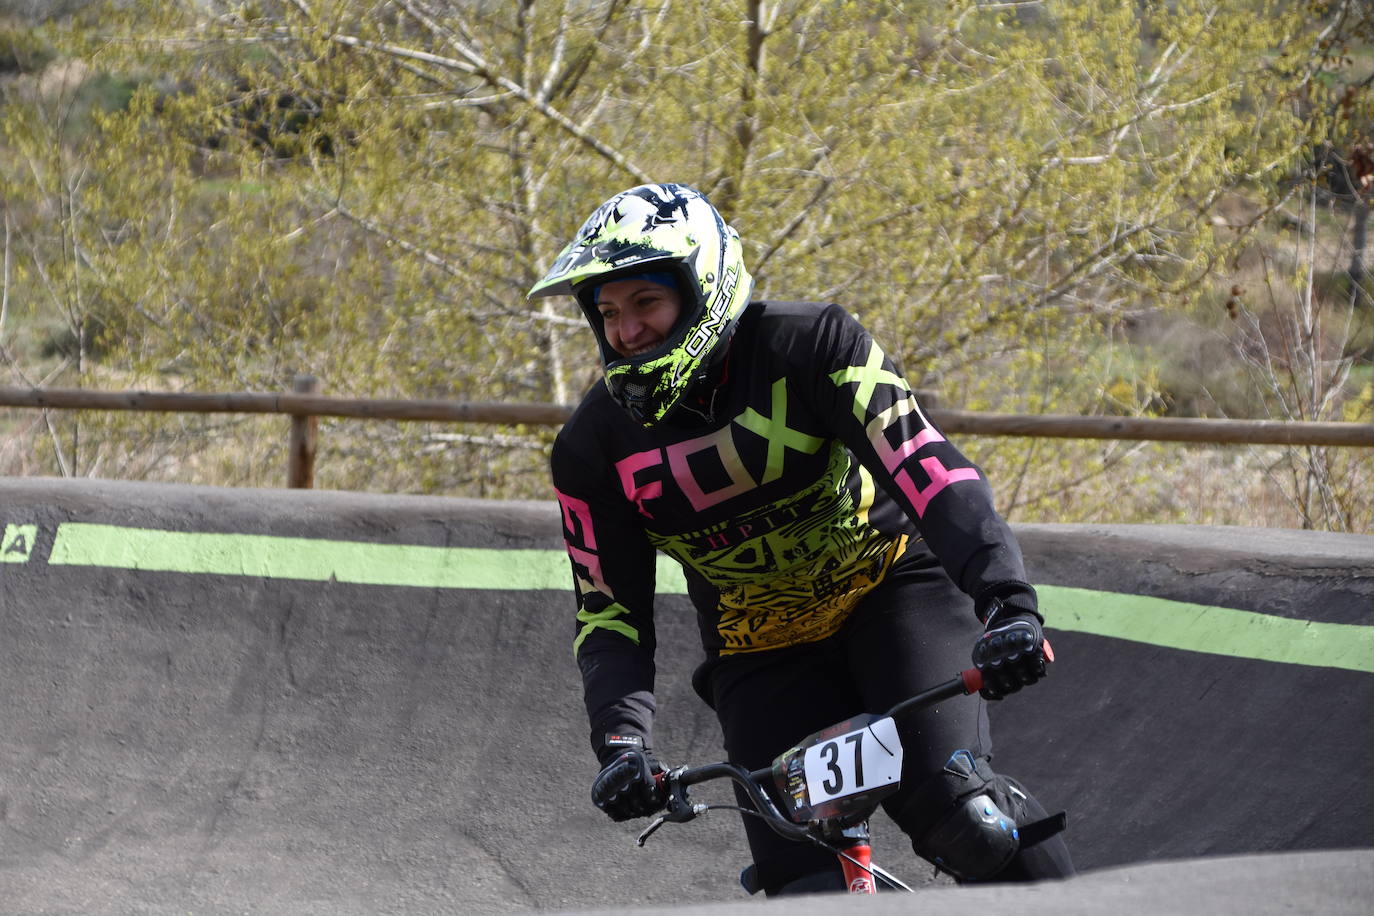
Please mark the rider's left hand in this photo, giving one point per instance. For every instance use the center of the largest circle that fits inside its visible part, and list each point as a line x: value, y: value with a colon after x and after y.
x: 1011, y: 653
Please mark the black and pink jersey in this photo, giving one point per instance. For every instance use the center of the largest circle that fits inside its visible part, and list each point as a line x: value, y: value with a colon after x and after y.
x: 814, y: 473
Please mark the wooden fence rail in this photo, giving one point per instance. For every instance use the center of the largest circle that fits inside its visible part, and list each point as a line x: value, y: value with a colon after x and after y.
x: 304, y: 405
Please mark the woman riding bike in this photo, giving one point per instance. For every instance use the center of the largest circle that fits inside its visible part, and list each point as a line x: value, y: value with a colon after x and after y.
x: 840, y: 551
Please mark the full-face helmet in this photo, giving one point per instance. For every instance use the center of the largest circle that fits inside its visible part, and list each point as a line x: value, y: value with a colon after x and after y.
x: 655, y: 228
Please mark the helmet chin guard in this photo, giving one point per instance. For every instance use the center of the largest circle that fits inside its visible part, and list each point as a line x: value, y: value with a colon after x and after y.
x: 651, y: 228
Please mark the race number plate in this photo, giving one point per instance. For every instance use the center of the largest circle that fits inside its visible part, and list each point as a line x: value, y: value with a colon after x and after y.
x: 859, y: 761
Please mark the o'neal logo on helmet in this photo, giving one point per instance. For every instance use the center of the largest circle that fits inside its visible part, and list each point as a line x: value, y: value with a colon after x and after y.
x: 706, y: 332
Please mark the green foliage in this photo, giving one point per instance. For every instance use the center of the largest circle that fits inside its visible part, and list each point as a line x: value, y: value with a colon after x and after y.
x: 1004, y: 192
x: 22, y: 49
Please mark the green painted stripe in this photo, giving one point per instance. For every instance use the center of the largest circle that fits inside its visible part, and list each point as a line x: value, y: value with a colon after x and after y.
x: 317, y: 560
x: 1203, y: 628
x: 1138, y: 618
x: 314, y: 560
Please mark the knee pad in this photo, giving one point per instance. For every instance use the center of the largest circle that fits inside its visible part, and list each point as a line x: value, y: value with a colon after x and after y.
x: 964, y: 818
x: 974, y: 842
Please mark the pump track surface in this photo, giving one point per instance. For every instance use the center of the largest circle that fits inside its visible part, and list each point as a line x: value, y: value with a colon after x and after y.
x: 267, y: 701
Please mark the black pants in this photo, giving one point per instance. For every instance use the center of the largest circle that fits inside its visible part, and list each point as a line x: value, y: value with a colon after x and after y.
x: 914, y: 630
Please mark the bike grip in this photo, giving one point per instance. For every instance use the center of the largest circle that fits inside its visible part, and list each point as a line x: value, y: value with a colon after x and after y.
x: 973, y: 680
x: 1049, y: 653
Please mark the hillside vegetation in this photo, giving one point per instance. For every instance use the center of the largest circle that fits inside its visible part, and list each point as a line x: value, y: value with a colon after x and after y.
x: 1090, y: 207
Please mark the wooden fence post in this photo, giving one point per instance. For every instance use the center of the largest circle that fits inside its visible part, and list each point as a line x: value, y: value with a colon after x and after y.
x: 300, y: 471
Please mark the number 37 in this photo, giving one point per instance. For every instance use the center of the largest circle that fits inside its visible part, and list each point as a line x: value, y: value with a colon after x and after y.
x: 854, y: 762
x: 834, y: 781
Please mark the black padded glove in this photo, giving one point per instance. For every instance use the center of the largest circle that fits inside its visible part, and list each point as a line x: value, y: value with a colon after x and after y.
x: 1011, y: 653
x: 626, y: 787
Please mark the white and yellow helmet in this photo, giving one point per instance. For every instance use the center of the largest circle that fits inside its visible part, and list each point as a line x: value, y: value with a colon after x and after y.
x: 657, y: 228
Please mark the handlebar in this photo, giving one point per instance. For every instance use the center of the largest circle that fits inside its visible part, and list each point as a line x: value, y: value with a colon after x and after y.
x: 679, y: 808
x: 968, y: 681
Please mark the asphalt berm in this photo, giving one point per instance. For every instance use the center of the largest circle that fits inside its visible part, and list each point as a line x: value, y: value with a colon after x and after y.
x: 265, y: 701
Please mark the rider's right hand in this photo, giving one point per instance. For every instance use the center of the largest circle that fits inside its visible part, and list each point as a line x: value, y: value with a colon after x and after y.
x: 626, y: 788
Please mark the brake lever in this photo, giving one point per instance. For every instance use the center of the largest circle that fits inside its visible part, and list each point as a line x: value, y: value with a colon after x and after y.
x: 680, y: 808
x: 649, y: 831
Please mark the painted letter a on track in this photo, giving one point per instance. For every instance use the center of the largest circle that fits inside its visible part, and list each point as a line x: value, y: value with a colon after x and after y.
x: 17, y: 543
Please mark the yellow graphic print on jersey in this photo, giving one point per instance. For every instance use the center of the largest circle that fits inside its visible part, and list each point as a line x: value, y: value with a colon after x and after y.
x: 790, y: 572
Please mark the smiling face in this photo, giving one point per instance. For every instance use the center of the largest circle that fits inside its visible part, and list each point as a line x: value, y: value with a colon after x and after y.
x: 637, y: 314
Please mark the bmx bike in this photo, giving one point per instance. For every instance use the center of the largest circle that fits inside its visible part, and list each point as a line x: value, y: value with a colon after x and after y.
x: 827, y: 785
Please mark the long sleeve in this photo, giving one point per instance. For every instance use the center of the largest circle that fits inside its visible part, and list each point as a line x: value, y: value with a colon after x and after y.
x: 613, y: 577
x: 875, y: 413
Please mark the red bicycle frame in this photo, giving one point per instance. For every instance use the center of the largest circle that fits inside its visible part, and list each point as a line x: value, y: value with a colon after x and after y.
x: 857, y: 863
